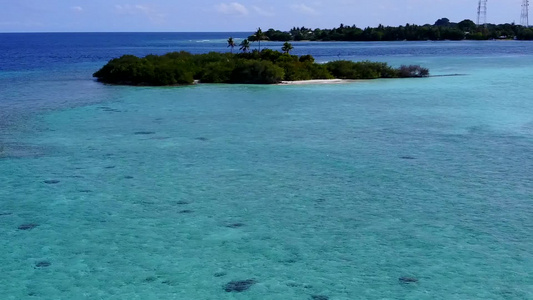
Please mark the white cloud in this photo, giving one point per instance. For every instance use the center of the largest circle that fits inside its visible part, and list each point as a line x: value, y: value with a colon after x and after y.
x: 263, y: 12
x: 132, y: 9
x: 124, y: 9
x: 77, y: 8
x: 143, y: 10
x: 304, y: 9
x: 232, y: 8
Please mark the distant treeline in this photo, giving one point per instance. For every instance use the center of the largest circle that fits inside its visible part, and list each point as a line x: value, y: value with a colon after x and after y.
x: 265, y: 67
x: 443, y: 29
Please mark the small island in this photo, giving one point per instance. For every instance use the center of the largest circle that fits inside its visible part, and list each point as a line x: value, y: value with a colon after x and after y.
x: 256, y: 67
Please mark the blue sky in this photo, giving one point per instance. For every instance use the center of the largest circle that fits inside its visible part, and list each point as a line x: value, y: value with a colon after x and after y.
x: 238, y: 15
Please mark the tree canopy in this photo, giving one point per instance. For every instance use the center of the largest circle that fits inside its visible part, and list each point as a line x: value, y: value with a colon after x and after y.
x: 258, y: 36
x: 265, y: 67
x: 442, y: 29
x: 231, y: 43
x: 287, y: 47
x: 442, y: 22
x: 245, y: 45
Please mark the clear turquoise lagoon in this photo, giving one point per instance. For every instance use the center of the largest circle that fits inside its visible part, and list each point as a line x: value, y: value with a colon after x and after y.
x: 313, y: 192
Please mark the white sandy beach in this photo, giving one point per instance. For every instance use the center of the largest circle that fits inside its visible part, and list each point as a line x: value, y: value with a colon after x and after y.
x: 317, y: 81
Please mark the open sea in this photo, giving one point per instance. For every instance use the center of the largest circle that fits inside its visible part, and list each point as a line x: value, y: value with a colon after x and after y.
x: 384, y: 189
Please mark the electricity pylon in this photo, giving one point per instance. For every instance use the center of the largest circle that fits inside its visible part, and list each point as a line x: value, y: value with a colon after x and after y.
x: 524, y: 18
x: 482, y: 12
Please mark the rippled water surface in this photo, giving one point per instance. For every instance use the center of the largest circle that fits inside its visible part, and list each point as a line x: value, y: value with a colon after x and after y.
x: 386, y: 189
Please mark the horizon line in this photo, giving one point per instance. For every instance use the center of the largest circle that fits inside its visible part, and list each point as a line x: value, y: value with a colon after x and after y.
x: 30, y: 32
x: 231, y: 31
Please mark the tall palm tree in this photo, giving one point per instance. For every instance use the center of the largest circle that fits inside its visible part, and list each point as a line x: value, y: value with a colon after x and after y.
x: 287, y: 47
x: 259, y: 36
x: 231, y: 43
x: 245, y: 45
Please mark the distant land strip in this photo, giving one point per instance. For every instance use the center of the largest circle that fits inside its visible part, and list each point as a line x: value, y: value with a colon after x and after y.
x: 442, y: 29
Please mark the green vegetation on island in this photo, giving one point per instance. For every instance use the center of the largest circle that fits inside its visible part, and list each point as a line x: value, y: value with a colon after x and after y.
x: 256, y: 67
x: 442, y: 29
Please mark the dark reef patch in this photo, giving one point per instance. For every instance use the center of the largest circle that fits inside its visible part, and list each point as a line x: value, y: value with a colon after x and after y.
x: 235, y: 225
x: 150, y: 279
x: 407, y: 157
x: 293, y: 284
x: 43, y: 264
x: 239, y: 285
x: 182, y: 203
x: 407, y: 280
x: 52, y: 181
x: 143, y: 132
x: 85, y: 191
x: 28, y: 226
x: 319, y: 297
x: 128, y: 177
x: 186, y: 211
x: 204, y: 139
x: 220, y: 274
x: 108, y: 109
x: 289, y: 261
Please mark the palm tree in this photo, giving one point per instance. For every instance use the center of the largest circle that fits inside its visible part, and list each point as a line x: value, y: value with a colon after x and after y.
x: 245, y: 45
x: 259, y: 35
x: 287, y: 47
x: 231, y: 43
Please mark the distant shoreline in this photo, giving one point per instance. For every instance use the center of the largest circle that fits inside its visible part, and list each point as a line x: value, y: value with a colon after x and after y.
x: 401, y: 41
x: 443, y: 29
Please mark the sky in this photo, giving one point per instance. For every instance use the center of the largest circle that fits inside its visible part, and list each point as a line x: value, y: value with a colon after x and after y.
x: 236, y: 15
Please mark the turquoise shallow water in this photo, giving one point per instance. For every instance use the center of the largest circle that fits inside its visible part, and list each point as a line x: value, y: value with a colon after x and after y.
x: 333, y: 190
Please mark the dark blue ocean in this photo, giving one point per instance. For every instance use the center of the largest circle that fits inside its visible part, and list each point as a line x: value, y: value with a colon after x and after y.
x: 383, y: 189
